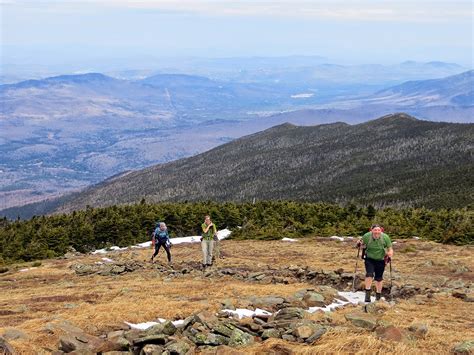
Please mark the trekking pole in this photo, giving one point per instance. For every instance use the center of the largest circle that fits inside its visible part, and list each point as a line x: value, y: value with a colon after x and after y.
x: 391, y: 279
x: 355, y: 270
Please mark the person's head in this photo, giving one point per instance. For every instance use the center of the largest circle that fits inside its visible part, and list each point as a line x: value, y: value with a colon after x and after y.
x: 376, y: 230
x: 207, y: 219
x: 162, y: 226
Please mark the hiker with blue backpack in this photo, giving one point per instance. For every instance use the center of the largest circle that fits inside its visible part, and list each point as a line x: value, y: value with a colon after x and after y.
x: 161, y: 238
x: 377, y: 252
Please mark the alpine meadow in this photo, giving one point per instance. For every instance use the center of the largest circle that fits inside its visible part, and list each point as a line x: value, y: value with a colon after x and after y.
x: 230, y: 178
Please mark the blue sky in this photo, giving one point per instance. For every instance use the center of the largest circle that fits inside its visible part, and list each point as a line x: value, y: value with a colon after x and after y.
x: 380, y: 31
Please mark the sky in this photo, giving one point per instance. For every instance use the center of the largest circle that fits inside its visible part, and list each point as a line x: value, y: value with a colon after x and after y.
x: 131, y: 32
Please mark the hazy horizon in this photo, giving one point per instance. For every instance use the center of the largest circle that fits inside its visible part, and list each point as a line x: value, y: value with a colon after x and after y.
x: 95, y: 34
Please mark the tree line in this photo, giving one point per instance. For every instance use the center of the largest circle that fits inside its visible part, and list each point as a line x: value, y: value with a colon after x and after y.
x: 51, y: 236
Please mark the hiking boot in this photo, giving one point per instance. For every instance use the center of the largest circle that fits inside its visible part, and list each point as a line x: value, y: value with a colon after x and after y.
x: 378, y: 296
x: 367, y: 295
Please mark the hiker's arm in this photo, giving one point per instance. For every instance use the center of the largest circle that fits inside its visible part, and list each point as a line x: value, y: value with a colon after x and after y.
x: 390, y: 252
x: 205, y: 230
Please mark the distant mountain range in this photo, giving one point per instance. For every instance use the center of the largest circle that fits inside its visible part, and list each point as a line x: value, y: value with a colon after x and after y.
x: 64, y: 133
x: 396, y: 160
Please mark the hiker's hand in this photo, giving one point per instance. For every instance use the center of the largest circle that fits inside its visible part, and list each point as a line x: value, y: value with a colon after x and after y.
x: 359, y: 243
x: 387, y: 259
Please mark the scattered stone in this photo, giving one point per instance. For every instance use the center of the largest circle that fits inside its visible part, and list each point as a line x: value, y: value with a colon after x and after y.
x: 418, y: 329
x: 390, y: 333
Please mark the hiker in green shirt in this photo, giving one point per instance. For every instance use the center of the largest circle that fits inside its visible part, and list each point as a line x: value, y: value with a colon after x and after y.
x: 377, y: 253
x: 209, y: 230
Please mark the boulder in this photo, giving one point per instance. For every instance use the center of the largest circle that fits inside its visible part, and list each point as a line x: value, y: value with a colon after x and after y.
x: 79, y: 342
x: 362, y: 320
x: 207, y: 318
x: 313, y: 299
x: 268, y: 303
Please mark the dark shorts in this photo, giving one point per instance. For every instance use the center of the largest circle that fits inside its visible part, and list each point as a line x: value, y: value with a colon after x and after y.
x: 376, y: 267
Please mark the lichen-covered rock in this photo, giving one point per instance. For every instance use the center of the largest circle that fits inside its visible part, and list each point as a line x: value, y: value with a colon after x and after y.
x: 362, y: 320
x: 240, y: 338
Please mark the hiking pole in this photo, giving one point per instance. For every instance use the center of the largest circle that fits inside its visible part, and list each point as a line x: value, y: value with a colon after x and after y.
x: 355, y: 270
x: 391, y: 279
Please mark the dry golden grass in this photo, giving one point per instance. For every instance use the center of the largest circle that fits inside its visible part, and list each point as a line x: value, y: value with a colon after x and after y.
x: 29, y: 300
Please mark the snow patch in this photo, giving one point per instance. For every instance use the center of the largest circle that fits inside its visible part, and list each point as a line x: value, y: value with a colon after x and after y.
x: 289, y: 240
x: 247, y: 313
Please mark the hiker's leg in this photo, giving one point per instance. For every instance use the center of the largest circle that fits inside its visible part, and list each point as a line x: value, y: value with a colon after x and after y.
x: 369, y: 273
x: 379, y: 270
x: 157, y: 249
x: 168, y: 252
x: 209, y: 252
x: 204, y: 251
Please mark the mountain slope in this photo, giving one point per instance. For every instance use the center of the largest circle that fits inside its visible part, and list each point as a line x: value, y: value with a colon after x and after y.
x: 455, y: 90
x: 394, y: 160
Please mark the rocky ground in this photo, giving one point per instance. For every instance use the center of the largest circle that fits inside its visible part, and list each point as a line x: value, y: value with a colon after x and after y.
x: 79, y: 303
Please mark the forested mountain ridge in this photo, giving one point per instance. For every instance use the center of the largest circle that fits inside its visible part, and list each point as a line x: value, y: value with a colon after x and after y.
x: 395, y: 160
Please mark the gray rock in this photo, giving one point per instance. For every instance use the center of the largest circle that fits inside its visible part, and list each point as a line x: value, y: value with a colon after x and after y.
x: 288, y: 337
x: 239, y: 338
x: 151, y: 349
x: 362, y: 320
x: 14, y: 334
x: 271, y: 333
x: 159, y: 339
x: 268, y: 303
x: 316, y: 335
x: 303, y: 332
x: 466, y: 347
x: 180, y: 347
x: 169, y: 328
x: 418, y: 329
x: 289, y: 313
x: 313, y: 299
x: 156, y: 329
x: 207, y: 318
